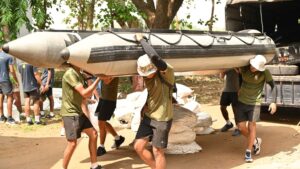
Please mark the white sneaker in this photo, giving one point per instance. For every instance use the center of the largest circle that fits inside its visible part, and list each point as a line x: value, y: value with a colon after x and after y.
x: 62, y: 131
x: 256, y: 146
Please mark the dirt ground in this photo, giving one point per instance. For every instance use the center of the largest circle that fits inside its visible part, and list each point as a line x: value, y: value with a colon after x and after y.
x: 32, y: 147
x: 42, y: 147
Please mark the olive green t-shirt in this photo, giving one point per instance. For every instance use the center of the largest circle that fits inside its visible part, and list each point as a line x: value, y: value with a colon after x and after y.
x: 110, y: 91
x: 252, y: 86
x: 159, y: 99
x: 71, y: 99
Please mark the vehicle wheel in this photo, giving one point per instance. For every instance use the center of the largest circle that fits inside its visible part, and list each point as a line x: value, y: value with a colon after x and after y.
x: 283, y: 69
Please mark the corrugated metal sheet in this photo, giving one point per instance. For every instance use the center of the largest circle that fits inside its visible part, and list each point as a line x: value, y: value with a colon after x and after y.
x: 252, y: 1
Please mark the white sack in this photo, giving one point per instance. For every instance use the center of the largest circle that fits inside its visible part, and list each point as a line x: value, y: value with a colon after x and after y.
x: 183, y: 91
x: 93, y: 116
x: 175, y: 129
x: 204, y: 130
x: 193, y: 106
x: 183, y: 148
x: 203, y: 119
x: 184, y: 117
x: 186, y: 137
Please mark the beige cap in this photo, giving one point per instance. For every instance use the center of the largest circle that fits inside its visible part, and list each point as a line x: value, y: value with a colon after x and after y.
x: 258, y: 62
x: 144, y: 66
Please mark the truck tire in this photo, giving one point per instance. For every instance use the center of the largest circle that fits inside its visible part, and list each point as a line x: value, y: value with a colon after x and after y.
x: 283, y: 69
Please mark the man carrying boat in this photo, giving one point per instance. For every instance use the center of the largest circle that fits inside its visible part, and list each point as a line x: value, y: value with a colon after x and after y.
x: 254, y: 77
x: 157, y: 120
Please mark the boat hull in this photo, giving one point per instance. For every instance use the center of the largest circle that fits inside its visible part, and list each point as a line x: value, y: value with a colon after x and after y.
x: 111, y: 54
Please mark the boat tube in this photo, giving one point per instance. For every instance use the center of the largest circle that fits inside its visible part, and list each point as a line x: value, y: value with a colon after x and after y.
x: 115, y: 53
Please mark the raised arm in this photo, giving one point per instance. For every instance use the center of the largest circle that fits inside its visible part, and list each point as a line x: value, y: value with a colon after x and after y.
x: 160, y: 64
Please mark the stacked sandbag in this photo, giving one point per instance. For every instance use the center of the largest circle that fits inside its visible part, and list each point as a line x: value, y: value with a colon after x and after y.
x: 204, y: 122
x: 187, y: 100
x: 183, y: 94
x: 128, y: 110
x: 182, y: 136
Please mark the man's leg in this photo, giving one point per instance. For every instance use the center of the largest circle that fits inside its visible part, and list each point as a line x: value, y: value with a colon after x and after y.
x: 36, y: 110
x: 102, y: 128
x: 145, y: 155
x: 160, y: 159
x: 17, y: 100
x: 71, y: 145
x: 2, y: 117
x: 228, y: 124
x: 252, y: 134
x: 51, y: 102
x: 9, y: 105
x: 1, y: 104
x: 118, y: 138
x: 27, y: 110
x: 244, y: 129
x: 92, y: 133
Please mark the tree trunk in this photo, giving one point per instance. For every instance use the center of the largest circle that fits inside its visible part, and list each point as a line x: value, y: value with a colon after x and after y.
x: 6, y: 33
x: 211, y: 21
x: 160, y: 17
x: 90, y: 17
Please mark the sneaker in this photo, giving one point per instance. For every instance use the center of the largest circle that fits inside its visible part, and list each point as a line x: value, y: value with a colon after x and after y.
x: 29, y: 123
x: 11, y: 121
x: 248, y: 157
x: 39, y: 123
x: 49, y: 116
x: 3, y: 119
x: 118, y: 142
x: 236, y: 132
x: 98, y: 167
x: 226, y: 127
x: 256, y: 146
x: 101, y: 151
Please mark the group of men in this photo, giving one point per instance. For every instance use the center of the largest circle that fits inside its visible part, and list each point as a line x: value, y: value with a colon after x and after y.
x: 34, y: 86
x: 157, y: 112
x: 156, y: 122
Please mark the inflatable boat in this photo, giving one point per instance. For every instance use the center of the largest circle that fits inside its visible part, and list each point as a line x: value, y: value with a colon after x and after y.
x: 115, y: 52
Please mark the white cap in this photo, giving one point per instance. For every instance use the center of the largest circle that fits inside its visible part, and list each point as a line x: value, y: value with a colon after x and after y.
x: 144, y: 66
x: 258, y: 62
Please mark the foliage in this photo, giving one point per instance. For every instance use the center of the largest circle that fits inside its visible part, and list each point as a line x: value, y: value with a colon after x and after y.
x: 121, y: 11
x: 83, y: 11
x: 12, y: 18
x: 42, y: 18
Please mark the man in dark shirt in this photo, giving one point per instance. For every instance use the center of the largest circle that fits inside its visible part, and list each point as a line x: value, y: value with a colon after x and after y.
x: 6, y: 67
x: 30, y: 81
x: 46, y: 90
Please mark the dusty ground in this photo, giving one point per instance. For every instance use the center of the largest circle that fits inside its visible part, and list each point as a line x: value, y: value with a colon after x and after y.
x: 42, y: 147
x: 31, y: 147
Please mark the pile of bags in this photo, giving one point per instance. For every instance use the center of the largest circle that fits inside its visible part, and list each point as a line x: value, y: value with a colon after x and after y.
x: 187, y: 122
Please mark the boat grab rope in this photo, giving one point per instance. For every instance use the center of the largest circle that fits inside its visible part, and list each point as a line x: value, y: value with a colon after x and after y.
x: 219, y: 39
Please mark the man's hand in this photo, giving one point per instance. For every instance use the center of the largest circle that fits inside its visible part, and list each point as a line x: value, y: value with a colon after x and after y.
x: 272, y: 108
x: 139, y: 36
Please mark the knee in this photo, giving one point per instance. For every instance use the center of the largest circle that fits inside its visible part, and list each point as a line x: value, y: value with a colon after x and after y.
x: 72, y: 144
x: 138, y: 148
x: 158, y: 152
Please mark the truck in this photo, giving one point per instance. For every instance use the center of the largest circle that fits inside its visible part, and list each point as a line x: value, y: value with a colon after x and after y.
x: 280, y: 20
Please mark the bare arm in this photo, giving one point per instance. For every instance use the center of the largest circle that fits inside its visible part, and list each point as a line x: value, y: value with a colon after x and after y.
x: 273, y: 107
x: 87, y: 92
x: 38, y: 77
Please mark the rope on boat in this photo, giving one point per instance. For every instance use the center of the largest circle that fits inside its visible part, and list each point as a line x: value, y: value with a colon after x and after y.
x: 218, y: 38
